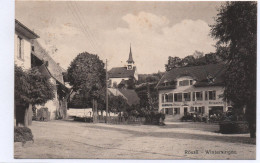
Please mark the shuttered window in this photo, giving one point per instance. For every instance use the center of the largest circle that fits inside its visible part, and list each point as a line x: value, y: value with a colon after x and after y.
x: 20, y: 48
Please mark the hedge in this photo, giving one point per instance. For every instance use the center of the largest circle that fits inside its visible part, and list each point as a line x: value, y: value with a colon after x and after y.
x: 233, y: 127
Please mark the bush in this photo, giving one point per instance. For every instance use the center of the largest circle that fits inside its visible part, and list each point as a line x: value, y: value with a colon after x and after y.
x: 43, y: 114
x: 233, y: 127
x: 22, y: 134
x: 84, y: 119
x: 188, y: 117
x: 154, y: 118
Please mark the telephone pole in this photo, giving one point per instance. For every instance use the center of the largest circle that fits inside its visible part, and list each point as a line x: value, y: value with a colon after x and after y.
x: 106, y: 95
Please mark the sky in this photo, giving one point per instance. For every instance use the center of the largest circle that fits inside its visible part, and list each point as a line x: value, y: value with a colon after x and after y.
x: 155, y: 30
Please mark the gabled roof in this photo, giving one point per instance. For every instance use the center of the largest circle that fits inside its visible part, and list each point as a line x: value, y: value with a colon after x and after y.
x: 121, y: 72
x: 54, y: 69
x: 199, y: 73
x: 129, y: 94
x: 19, y: 27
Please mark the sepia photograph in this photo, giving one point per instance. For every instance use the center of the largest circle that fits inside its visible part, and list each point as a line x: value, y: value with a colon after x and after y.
x: 150, y: 80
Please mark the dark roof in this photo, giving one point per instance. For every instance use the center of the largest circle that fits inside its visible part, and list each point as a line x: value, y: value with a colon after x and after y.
x: 130, y: 59
x: 131, y: 95
x: 19, y: 27
x: 199, y: 73
x: 54, y: 69
x: 121, y: 72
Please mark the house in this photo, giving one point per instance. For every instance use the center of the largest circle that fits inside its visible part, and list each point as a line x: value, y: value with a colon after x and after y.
x: 22, y: 41
x: 196, y: 89
x: 52, y: 70
x: 118, y: 74
x: 22, y: 58
x: 28, y: 54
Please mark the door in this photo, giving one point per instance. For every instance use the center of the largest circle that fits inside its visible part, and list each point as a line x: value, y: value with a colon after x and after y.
x: 185, y: 110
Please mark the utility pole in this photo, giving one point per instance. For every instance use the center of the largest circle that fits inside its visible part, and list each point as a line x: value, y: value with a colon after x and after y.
x: 106, y: 96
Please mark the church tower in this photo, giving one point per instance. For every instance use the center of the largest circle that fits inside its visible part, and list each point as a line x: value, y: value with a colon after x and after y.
x: 130, y: 61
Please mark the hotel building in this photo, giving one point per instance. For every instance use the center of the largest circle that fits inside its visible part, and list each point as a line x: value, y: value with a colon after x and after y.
x: 196, y: 89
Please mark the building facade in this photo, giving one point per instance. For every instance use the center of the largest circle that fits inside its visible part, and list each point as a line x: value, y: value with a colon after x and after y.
x: 197, y: 89
x: 51, y: 69
x: 118, y: 74
x: 22, y: 41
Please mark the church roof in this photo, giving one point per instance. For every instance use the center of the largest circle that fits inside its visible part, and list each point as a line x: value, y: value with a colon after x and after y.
x: 121, y: 72
x: 130, y: 59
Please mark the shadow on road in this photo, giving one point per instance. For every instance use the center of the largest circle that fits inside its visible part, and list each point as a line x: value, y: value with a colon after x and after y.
x: 172, y: 134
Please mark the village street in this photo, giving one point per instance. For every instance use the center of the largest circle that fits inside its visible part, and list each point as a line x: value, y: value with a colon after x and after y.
x: 70, y: 139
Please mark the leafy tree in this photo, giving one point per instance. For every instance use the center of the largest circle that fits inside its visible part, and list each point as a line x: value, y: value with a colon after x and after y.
x: 235, y: 30
x: 188, y: 60
x: 212, y: 58
x: 173, y: 62
x: 87, y: 75
x: 198, y: 54
x: 31, y: 88
x: 148, y: 96
x: 117, y: 104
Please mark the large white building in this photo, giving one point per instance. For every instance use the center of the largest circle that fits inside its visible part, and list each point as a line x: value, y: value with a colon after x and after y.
x: 196, y: 89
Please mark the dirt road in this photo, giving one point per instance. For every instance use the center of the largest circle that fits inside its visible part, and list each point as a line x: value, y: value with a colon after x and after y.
x: 69, y: 139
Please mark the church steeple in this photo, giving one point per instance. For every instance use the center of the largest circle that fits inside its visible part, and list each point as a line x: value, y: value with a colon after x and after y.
x: 130, y: 61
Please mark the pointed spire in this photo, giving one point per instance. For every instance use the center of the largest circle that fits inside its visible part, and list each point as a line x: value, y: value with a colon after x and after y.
x: 130, y: 59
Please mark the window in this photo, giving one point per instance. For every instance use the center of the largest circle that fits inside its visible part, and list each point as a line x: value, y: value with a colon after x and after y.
x: 178, y: 97
x: 191, y: 82
x: 198, y: 96
x: 20, y: 47
x: 193, y: 96
x: 170, y: 97
x: 167, y: 97
x: 176, y: 110
x: 212, y: 95
x: 184, y: 83
x: 186, y: 96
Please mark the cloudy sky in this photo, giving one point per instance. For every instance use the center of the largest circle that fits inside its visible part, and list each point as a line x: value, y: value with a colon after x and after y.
x: 155, y: 30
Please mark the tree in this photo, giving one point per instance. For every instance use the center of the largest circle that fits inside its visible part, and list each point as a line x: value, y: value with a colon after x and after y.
x: 118, y: 104
x: 31, y: 88
x: 87, y: 75
x: 188, y: 60
x: 235, y: 30
x: 173, y: 62
x: 198, y: 54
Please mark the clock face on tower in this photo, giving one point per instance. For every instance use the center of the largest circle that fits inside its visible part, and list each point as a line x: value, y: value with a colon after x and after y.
x: 129, y: 67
